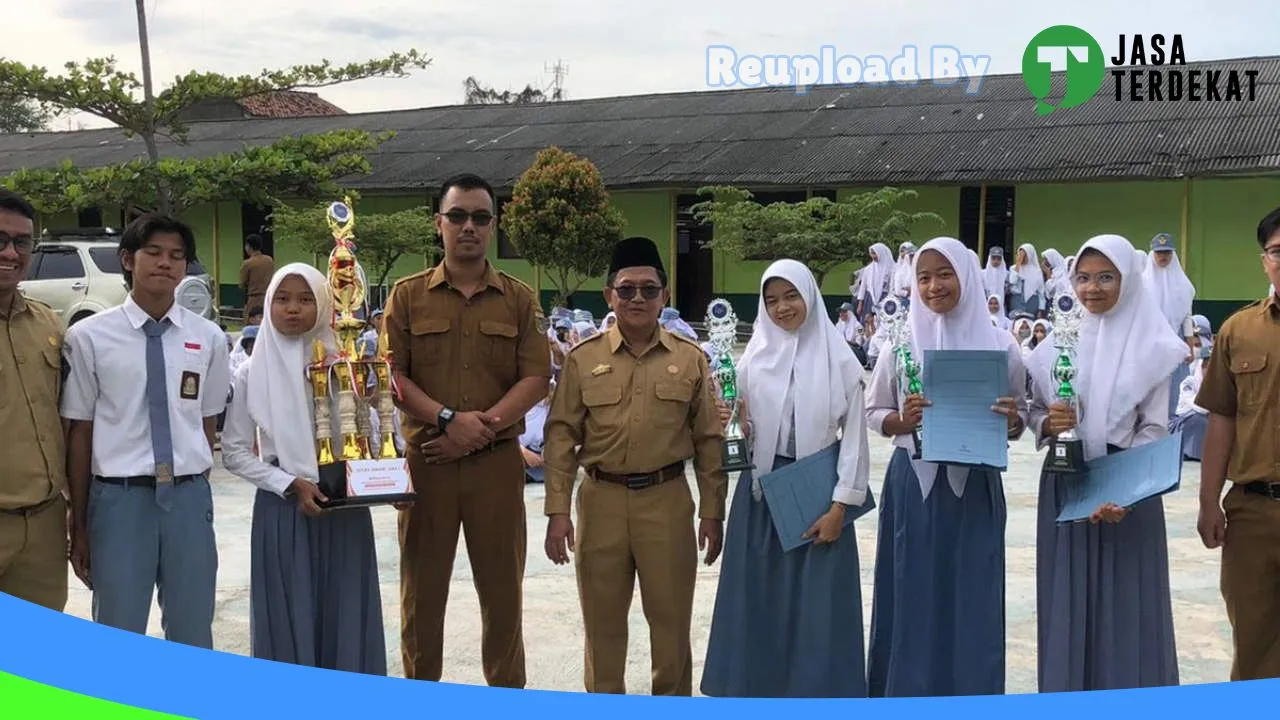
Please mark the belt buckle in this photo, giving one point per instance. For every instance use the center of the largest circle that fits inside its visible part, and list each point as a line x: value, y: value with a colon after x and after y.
x: 640, y: 482
x: 164, y: 474
x: 1273, y: 491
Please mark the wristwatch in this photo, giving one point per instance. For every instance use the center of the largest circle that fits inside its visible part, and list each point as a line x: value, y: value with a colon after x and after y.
x: 443, y: 419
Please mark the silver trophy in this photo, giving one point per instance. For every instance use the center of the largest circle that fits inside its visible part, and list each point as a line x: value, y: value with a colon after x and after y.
x: 1066, y: 450
x: 893, y: 317
x: 722, y: 331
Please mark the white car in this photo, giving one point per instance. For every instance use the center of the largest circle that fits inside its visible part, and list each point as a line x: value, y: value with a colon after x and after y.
x: 78, y: 274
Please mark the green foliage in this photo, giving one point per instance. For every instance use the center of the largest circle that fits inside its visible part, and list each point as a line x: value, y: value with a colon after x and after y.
x: 560, y: 219
x: 381, y: 238
x: 307, y: 167
x: 817, y: 232
x: 19, y: 115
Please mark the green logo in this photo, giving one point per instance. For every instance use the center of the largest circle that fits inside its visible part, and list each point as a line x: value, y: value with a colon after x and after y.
x: 1058, y: 49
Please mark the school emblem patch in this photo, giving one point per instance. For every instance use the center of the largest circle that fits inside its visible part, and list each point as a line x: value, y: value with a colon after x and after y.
x: 190, y: 389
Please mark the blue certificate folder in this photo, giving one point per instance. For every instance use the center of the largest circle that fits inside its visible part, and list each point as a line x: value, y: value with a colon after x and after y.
x: 800, y: 493
x: 1125, y: 478
x: 960, y: 428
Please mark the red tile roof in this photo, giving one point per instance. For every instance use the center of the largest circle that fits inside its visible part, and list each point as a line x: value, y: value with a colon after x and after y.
x: 289, y: 104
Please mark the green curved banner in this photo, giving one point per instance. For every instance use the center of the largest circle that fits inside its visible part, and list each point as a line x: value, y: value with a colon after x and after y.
x: 26, y: 700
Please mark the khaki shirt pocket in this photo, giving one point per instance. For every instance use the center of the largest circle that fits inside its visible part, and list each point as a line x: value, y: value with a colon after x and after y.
x: 430, y: 343
x: 501, y: 343
x: 604, y: 404
x: 1251, y: 380
x: 671, y: 408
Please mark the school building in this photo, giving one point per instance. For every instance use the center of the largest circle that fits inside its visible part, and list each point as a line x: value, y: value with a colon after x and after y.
x: 988, y: 164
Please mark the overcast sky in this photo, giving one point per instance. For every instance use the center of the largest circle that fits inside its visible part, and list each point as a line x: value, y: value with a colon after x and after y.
x: 610, y: 48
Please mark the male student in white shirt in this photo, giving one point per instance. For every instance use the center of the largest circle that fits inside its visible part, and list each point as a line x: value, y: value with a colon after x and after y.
x: 147, y: 380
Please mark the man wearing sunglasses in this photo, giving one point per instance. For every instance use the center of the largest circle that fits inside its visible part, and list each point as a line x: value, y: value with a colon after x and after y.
x: 33, y: 511
x: 638, y: 401
x: 471, y: 359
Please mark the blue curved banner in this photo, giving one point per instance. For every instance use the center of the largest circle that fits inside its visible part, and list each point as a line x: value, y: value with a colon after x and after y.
x: 82, y: 657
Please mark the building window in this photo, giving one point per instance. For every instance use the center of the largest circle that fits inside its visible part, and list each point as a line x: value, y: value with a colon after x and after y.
x: 90, y: 218
x: 828, y: 193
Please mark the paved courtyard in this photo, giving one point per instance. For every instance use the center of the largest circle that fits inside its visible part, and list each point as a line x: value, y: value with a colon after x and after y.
x: 552, y: 622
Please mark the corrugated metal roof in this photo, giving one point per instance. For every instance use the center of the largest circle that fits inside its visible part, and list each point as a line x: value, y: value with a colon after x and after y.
x: 832, y: 135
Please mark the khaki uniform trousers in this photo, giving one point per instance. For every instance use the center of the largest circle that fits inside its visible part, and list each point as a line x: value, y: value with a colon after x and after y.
x: 1251, y: 583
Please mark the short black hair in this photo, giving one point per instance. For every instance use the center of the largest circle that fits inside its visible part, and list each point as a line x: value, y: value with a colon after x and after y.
x: 255, y: 311
x: 148, y: 226
x: 468, y: 181
x: 1268, y: 228
x: 254, y: 241
x: 13, y: 202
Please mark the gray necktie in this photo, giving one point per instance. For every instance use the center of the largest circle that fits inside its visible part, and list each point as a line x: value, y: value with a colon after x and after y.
x: 158, y: 408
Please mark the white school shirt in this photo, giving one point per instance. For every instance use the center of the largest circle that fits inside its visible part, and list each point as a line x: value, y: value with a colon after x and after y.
x: 853, y: 466
x: 239, y: 432
x: 1142, y: 424
x: 107, y: 384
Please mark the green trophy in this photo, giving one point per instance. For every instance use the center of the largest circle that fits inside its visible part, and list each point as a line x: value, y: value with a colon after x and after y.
x: 1066, y: 450
x: 893, y: 317
x: 722, y: 330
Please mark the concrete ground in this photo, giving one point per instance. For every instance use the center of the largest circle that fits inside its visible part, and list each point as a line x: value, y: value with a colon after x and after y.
x: 553, y: 629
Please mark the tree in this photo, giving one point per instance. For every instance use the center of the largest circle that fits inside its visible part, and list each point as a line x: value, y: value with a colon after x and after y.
x: 560, y: 219
x: 818, y: 232
x: 381, y: 238
x: 20, y: 115
x: 98, y: 88
x: 477, y: 94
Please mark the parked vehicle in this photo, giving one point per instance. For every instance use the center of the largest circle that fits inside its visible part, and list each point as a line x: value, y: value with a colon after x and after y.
x: 77, y: 273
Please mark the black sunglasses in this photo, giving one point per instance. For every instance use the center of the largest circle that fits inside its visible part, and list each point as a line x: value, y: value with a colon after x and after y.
x: 627, y: 292
x: 481, y: 218
x: 23, y: 244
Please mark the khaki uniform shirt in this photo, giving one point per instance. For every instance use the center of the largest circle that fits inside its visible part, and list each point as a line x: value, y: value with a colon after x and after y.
x: 1243, y: 382
x: 465, y: 354
x: 30, y: 383
x: 255, y: 278
x: 634, y: 411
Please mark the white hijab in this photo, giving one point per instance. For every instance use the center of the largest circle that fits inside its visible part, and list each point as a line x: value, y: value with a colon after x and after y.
x: 280, y: 400
x: 994, y: 278
x: 823, y: 364
x: 1057, y: 266
x: 1171, y: 288
x: 1030, y: 272
x: 998, y: 318
x: 902, y: 274
x: 875, y: 277
x: 1121, y: 355
x: 966, y: 327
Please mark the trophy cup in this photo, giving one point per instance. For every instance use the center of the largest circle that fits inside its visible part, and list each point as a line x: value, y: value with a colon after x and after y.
x: 893, y: 317
x: 722, y: 330
x: 356, y: 475
x: 1066, y: 450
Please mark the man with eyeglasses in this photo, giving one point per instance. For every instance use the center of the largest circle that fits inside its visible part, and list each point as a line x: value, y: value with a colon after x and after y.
x: 471, y: 359
x: 637, y: 399
x: 1240, y: 390
x: 33, y: 508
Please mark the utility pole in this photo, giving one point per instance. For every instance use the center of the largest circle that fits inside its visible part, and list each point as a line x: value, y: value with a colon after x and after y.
x: 149, y: 136
x: 558, y: 71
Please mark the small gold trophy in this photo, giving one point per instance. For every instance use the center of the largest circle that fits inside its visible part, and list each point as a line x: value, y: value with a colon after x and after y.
x: 356, y: 476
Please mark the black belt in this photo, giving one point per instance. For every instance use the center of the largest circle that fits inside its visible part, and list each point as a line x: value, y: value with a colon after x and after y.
x: 142, y: 480
x: 1266, y: 489
x: 31, y: 509
x: 642, y: 481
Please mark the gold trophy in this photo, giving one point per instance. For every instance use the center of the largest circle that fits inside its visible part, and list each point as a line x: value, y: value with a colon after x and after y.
x: 356, y: 476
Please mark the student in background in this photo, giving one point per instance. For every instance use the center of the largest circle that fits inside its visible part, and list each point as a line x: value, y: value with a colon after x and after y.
x: 1190, y: 418
x: 1174, y: 295
x: 874, y: 279
x: 995, y: 306
x: 147, y: 381
x: 1026, y: 280
x: 1102, y: 588
x: 314, y: 598
x: 995, y: 276
x: 938, y: 615
x: 532, y: 439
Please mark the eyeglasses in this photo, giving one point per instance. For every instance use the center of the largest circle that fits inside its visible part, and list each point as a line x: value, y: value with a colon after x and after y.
x: 481, y: 218
x: 1272, y: 254
x: 627, y: 292
x: 1104, y: 280
x: 22, y: 243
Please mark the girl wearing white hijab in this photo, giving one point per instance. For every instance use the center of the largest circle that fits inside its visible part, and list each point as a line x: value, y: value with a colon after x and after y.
x: 1026, y: 293
x: 1055, y: 271
x: 314, y: 598
x: 874, y: 279
x: 995, y: 306
x: 1174, y: 295
x: 1103, y: 606
x: 799, y: 610
x: 937, y: 624
x: 902, y: 279
x: 995, y: 276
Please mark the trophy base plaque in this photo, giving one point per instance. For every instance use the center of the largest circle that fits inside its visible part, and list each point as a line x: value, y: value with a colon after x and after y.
x: 365, y: 483
x: 1065, y: 457
x: 735, y: 455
